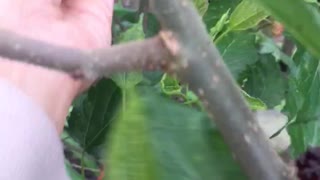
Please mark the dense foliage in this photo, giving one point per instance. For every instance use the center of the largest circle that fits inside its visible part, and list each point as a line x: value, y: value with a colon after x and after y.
x: 147, y: 125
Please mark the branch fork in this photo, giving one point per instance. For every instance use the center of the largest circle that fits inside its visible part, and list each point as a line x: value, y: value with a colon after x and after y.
x: 179, y: 49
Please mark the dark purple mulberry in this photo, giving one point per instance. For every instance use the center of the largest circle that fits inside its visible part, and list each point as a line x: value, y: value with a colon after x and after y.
x: 308, y: 164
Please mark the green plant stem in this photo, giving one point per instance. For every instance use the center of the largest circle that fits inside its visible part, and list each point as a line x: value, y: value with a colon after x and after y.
x: 124, y: 101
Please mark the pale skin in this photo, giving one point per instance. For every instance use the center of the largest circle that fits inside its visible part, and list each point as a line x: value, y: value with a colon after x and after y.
x: 84, y: 24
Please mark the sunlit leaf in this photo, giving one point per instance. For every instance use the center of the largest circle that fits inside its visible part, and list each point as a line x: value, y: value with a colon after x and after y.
x: 133, y: 33
x: 311, y: 1
x: 214, y: 31
x: 170, y: 85
x: 246, y: 15
x: 201, y: 5
x: 127, y: 80
x: 216, y: 9
x: 254, y: 103
x: 305, y: 27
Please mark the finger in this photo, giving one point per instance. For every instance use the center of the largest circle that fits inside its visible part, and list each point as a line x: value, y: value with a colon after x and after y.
x: 13, y: 12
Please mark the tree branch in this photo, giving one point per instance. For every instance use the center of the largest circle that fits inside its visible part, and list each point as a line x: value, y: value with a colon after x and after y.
x: 149, y: 54
x: 198, y: 63
x: 193, y: 58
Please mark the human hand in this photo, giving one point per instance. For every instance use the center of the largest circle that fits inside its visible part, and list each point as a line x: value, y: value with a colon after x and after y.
x: 83, y: 24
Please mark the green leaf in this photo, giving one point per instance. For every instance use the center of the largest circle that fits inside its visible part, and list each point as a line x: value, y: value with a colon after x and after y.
x: 297, y: 135
x: 185, y: 143
x: 127, y: 80
x: 122, y: 20
x: 78, y: 162
x: 92, y: 114
x: 135, y: 32
x: 301, y: 19
x: 303, y: 102
x: 245, y: 16
x: 238, y: 50
x: 202, y: 6
x: 129, y: 154
x: 311, y: 1
x: 216, y: 9
x: 214, y: 31
x: 170, y: 85
x: 130, y: 79
x: 303, y: 136
x: 268, y: 46
x: 166, y: 140
x: 151, y: 25
x: 124, y: 14
x: 254, y: 103
x: 151, y: 78
x: 265, y: 81
x: 73, y: 174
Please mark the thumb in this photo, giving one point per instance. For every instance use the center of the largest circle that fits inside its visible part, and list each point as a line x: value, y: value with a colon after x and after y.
x: 95, y: 16
x: 89, y: 10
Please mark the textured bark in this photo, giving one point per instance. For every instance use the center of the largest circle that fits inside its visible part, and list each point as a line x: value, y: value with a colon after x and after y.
x: 198, y: 63
x: 183, y: 48
x: 149, y: 54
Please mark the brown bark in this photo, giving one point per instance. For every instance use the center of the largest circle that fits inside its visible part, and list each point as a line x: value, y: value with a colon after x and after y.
x: 198, y: 63
x: 148, y: 54
x: 184, y: 49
